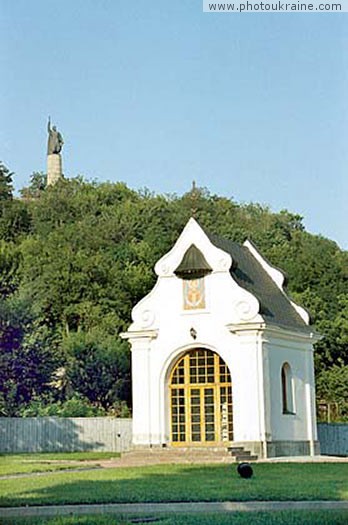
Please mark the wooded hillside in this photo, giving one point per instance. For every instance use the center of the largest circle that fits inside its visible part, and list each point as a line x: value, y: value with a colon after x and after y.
x: 75, y: 258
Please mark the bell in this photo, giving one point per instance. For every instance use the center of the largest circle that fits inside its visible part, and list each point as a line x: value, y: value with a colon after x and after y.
x: 193, y: 265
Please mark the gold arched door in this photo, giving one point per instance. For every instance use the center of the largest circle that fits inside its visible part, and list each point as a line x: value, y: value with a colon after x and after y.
x: 201, y: 400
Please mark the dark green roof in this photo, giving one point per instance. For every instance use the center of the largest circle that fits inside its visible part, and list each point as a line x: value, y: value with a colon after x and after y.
x: 275, y: 306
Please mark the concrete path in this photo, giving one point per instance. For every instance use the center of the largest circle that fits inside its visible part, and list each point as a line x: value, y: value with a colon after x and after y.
x: 48, y: 472
x: 153, y: 509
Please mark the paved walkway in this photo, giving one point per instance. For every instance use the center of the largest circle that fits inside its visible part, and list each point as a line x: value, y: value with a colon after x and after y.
x: 149, y: 509
x: 49, y: 472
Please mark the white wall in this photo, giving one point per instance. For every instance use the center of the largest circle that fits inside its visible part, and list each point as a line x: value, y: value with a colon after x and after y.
x: 231, y: 326
x: 301, y: 425
x: 156, y: 357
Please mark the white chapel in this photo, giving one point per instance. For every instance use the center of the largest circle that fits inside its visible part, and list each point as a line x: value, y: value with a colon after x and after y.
x: 221, y: 356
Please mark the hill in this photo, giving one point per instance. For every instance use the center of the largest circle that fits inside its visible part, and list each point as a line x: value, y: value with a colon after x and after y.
x: 75, y: 258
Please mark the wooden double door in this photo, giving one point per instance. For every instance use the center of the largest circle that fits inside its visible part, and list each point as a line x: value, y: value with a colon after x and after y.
x: 201, y: 400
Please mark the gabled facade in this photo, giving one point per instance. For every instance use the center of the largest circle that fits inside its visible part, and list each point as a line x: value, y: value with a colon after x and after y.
x: 220, y: 354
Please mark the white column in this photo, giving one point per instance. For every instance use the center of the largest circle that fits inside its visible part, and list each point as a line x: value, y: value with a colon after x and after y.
x: 264, y: 393
x: 310, y: 403
x: 246, y: 366
x: 141, y: 392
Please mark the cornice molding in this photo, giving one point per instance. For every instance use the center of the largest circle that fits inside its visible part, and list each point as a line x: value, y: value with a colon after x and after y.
x: 274, y: 332
x: 140, y: 334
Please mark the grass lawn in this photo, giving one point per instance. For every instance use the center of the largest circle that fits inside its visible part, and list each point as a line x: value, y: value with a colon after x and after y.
x: 256, y: 518
x: 160, y: 483
x: 26, y: 463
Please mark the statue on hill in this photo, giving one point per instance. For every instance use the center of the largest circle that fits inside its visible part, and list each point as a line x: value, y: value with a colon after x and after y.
x: 54, y: 158
x: 55, y: 139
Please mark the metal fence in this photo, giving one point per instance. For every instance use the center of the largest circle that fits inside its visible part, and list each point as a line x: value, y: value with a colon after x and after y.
x: 333, y: 438
x: 55, y: 434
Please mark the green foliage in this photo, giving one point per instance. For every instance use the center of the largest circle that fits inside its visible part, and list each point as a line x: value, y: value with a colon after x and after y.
x: 76, y: 406
x: 38, y: 182
x: 82, y: 255
x: 14, y: 216
x: 15, y: 220
x: 332, y: 386
x: 28, y: 356
x: 6, y: 187
x: 9, y: 269
x: 99, y: 367
x: 73, y: 407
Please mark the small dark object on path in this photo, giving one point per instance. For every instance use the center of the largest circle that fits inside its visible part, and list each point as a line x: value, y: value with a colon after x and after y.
x: 245, y: 470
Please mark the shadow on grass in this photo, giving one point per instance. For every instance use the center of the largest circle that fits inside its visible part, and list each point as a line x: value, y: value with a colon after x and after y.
x: 174, y: 483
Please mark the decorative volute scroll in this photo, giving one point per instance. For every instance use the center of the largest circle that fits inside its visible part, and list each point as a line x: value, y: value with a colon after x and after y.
x: 144, y: 313
x: 246, y: 308
x: 144, y: 318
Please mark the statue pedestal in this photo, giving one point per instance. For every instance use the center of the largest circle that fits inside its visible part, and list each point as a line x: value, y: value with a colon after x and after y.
x: 54, y: 168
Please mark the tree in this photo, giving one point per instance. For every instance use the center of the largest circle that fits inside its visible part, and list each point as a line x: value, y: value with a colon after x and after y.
x: 15, y: 220
x: 82, y: 254
x: 9, y: 268
x: 331, y: 387
x: 99, y: 367
x: 27, y: 357
x: 6, y: 187
x: 38, y: 183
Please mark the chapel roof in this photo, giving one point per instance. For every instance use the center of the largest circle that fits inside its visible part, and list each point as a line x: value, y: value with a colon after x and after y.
x: 246, y: 270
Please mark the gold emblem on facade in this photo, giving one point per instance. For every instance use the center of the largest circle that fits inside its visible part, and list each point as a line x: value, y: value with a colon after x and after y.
x: 194, y: 294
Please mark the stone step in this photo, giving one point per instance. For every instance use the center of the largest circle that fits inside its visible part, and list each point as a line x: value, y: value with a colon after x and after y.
x: 246, y: 457
x: 176, y: 455
x: 182, y: 451
x: 241, y: 454
x: 162, y: 455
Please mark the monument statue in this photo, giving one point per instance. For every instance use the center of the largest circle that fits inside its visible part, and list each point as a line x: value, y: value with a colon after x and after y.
x: 54, y: 158
x: 55, y: 139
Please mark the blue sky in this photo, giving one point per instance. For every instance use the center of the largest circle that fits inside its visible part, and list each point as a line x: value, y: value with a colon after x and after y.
x: 158, y: 93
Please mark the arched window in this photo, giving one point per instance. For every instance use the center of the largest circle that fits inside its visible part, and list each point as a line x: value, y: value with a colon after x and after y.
x: 287, y: 389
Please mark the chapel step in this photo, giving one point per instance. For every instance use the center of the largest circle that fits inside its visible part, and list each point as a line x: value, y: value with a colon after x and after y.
x: 245, y: 457
x: 241, y: 454
x: 177, y: 455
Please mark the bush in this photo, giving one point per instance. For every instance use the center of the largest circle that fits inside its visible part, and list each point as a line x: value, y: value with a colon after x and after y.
x: 74, y: 407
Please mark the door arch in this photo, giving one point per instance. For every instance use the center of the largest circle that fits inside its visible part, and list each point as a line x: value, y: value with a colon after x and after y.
x: 201, y: 410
